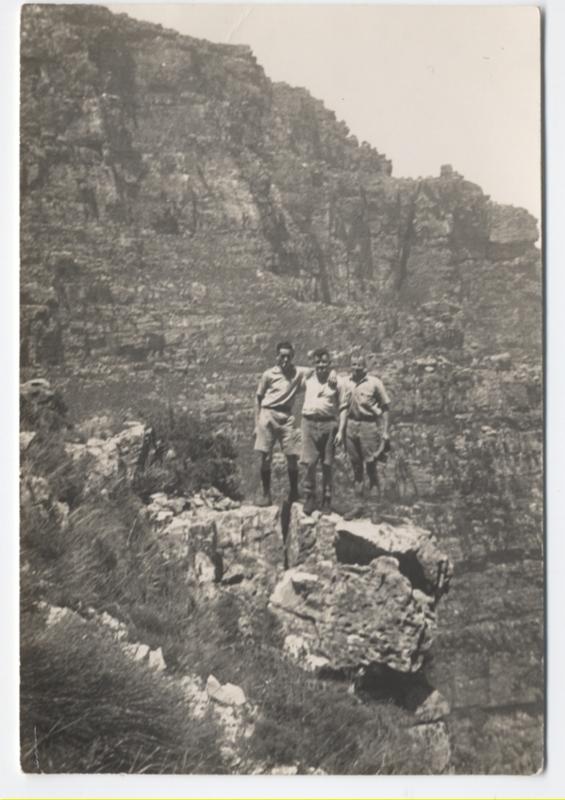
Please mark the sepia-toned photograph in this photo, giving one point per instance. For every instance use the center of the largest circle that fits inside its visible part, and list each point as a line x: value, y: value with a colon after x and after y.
x: 281, y: 390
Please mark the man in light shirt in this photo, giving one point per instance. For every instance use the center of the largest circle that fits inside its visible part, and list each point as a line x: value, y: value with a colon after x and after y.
x: 274, y: 420
x: 324, y: 416
x: 367, y: 436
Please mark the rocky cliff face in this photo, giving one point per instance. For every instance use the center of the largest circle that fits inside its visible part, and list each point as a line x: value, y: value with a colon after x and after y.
x: 181, y: 214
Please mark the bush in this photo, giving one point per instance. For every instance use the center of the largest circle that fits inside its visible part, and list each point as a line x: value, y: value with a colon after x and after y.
x: 46, y: 457
x: 190, y: 457
x: 86, y: 708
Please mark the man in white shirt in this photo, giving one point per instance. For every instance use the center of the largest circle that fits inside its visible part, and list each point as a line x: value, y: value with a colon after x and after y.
x: 274, y: 418
x: 323, y: 426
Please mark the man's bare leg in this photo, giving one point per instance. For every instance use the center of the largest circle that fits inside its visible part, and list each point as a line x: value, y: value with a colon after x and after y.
x: 372, y: 475
x: 359, y: 488
x: 265, y: 472
x: 310, y: 488
x: 292, y: 466
x: 326, y: 488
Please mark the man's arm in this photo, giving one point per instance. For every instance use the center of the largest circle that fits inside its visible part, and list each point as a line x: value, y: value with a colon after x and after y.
x: 344, y: 403
x: 381, y: 409
x: 341, y: 426
x: 260, y: 394
x: 258, y: 400
x: 385, y: 416
x: 381, y: 403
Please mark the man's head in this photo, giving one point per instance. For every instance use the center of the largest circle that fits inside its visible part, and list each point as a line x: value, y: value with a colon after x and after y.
x: 285, y: 354
x: 358, y: 366
x: 322, y: 362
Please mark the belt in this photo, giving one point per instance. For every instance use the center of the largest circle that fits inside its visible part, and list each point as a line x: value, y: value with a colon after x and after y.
x: 362, y: 419
x: 279, y: 409
x: 318, y: 418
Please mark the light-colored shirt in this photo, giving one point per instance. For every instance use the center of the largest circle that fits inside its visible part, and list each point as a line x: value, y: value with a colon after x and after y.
x: 321, y: 400
x: 367, y: 398
x: 278, y: 390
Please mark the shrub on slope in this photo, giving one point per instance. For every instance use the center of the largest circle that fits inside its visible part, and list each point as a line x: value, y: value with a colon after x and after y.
x: 191, y: 456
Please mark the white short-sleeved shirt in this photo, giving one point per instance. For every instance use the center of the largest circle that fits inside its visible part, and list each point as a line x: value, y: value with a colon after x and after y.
x: 277, y: 390
x: 367, y: 398
x: 323, y: 400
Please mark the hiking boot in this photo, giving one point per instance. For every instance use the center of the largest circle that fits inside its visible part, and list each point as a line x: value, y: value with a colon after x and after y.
x: 309, y: 504
x: 354, y: 513
x: 264, y: 500
x: 326, y: 506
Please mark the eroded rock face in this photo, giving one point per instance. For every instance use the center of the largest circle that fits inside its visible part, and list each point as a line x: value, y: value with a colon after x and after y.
x: 356, y: 616
x: 361, y: 541
x: 223, y: 546
x: 105, y: 461
x: 369, y: 602
x: 362, y: 594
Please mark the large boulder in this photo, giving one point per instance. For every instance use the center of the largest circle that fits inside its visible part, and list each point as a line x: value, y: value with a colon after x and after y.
x: 359, y: 594
x: 356, y: 616
x: 360, y: 541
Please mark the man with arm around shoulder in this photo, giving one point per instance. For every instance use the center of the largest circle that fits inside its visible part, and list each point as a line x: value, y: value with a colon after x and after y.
x: 274, y: 419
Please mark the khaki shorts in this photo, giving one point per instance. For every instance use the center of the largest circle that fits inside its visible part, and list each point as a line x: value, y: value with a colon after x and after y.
x: 318, y: 441
x: 276, y: 426
x: 362, y: 440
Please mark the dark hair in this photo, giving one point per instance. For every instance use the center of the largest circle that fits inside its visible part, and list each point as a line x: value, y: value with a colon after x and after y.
x: 284, y: 346
x: 358, y: 354
x: 321, y: 351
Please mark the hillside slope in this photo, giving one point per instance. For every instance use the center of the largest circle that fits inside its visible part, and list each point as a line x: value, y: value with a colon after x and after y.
x: 181, y: 213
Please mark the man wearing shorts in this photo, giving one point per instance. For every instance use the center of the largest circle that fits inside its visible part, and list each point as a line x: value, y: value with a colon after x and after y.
x: 366, y: 435
x: 274, y: 420
x: 323, y: 424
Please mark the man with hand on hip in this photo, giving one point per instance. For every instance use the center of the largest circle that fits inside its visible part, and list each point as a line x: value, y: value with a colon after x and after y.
x: 367, y: 436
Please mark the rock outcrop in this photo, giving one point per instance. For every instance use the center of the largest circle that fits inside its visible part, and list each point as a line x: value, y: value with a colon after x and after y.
x: 368, y: 602
x: 343, y: 609
x: 371, y: 603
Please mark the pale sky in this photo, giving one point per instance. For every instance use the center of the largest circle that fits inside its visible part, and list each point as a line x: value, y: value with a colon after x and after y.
x: 425, y: 85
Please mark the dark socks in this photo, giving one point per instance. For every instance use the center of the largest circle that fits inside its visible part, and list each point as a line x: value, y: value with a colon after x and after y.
x: 266, y: 480
x: 326, y: 481
x: 293, y: 482
x: 371, y: 468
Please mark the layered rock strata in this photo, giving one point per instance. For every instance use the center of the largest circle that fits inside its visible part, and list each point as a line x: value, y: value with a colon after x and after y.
x: 181, y: 214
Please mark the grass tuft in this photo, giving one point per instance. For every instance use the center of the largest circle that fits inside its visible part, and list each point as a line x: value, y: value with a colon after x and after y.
x: 86, y: 708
